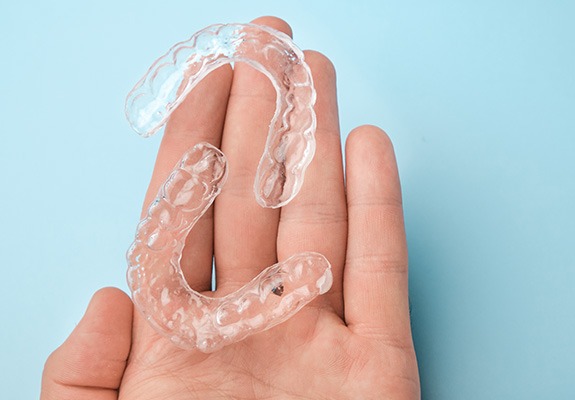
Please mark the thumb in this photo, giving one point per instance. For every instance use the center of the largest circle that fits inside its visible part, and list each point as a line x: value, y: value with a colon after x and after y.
x: 91, y: 362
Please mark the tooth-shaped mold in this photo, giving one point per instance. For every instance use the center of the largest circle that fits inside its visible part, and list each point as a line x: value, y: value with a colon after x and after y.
x: 290, y: 142
x: 159, y: 290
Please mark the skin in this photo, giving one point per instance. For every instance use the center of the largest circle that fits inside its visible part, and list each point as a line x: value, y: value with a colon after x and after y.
x: 352, y: 343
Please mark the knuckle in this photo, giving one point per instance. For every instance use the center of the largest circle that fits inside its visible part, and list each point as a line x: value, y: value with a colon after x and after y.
x: 365, y: 201
x: 377, y: 263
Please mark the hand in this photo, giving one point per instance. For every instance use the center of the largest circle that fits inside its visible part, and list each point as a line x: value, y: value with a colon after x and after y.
x: 352, y: 343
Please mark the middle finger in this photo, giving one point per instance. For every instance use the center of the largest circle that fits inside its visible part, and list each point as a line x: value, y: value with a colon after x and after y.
x: 245, y: 233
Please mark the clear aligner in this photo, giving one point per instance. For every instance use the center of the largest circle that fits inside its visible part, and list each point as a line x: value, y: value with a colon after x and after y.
x: 159, y: 290
x: 290, y: 144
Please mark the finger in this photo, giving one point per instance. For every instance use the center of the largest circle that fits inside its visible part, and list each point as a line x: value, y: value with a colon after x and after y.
x: 91, y: 362
x: 200, y: 118
x: 316, y: 219
x: 375, y: 275
x: 245, y: 233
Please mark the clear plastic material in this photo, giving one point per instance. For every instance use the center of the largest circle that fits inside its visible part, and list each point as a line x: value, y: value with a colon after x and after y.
x: 159, y: 290
x: 290, y: 143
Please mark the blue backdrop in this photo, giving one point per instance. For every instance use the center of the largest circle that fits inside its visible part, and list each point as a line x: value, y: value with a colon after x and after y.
x: 478, y: 97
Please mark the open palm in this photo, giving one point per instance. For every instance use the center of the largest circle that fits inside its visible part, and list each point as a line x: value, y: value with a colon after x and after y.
x: 352, y: 343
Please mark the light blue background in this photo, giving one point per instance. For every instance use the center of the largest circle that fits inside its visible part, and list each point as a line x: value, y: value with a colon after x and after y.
x: 478, y: 97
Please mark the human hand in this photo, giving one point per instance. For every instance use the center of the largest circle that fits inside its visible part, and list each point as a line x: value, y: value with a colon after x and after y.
x: 354, y: 342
